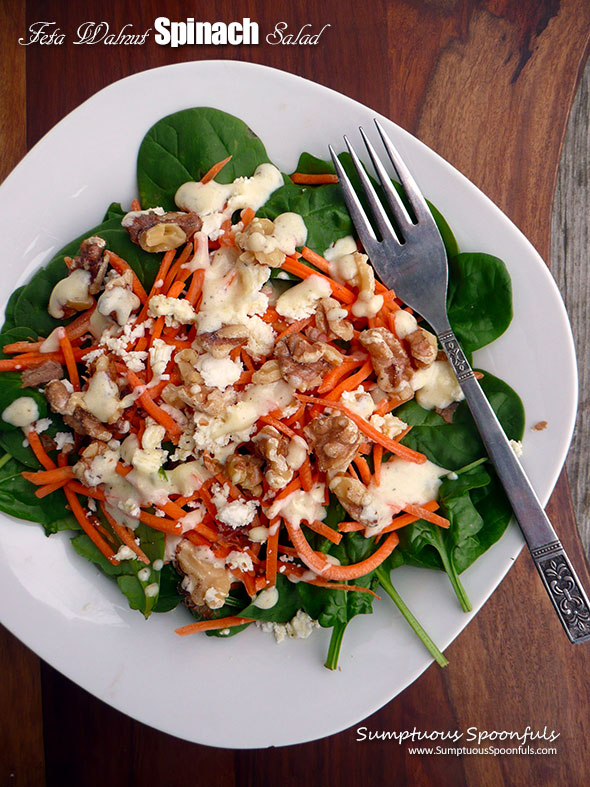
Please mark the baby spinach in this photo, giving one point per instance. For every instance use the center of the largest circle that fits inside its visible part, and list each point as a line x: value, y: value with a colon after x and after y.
x: 17, y: 499
x: 479, y: 300
x: 10, y: 390
x: 126, y: 572
x: 183, y: 146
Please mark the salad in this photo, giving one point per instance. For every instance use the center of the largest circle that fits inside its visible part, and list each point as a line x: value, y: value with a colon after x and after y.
x: 213, y: 389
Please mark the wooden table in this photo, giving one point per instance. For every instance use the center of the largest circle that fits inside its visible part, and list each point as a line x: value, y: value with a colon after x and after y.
x: 488, y: 84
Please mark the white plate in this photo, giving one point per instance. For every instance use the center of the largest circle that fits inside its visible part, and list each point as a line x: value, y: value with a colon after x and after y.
x: 248, y: 691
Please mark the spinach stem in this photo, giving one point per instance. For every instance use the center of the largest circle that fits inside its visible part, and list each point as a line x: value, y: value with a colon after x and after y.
x: 455, y: 581
x: 335, y: 645
x: 6, y: 458
x: 385, y: 581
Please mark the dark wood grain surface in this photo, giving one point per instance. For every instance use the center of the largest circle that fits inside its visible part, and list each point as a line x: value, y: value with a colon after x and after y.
x: 488, y: 84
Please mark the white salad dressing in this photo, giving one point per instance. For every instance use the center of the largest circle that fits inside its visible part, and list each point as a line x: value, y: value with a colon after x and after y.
x: 300, y: 506
x: 22, y: 412
x: 71, y: 291
x: 402, y: 483
x: 266, y: 599
x: 212, y: 197
x: 301, y: 301
x: 436, y: 386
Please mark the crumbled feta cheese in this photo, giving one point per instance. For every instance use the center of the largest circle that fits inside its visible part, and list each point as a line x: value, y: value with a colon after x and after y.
x: 359, y: 401
x: 152, y: 590
x: 174, y: 310
x: 516, y: 447
x: 389, y: 425
x: 125, y: 553
x: 219, y: 372
x: 239, y: 561
x: 42, y: 425
x: 160, y: 355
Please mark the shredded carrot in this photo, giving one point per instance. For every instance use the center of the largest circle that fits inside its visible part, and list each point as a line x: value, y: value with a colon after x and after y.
x: 332, y: 378
x: 424, y: 513
x: 43, y: 491
x: 271, y: 552
x: 313, y: 180
x: 39, y: 451
x: 160, y: 523
x: 407, y: 519
x: 215, y: 170
x: 304, y: 272
x: 328, y: 571
x: 279, y: 425
x: 350, y: 527
x: 88, y: 491
x: 152, y: 408
x: 377, y: 460
x: 246, y: 216
x: 121, y: 266
x: 66, y: 348
x: 350, y: 383
x: 176, y: 289
x: 365, y: 427
x: 52, y: 476
x: 124, y: 535
x: 88, y: 527
x: 196, y: 286
x: 292, y: 486
x: 324, y: 530
x: 295, y: 327
x: 135, y: 204
x: 305, y: 474
x: 211, y: 625
x: 364, y: 470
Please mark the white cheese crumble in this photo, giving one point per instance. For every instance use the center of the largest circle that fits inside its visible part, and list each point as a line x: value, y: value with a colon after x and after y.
x: 174, y: 310
x: 125, y: 553
x: 301, y: 626
x: 219, y: 372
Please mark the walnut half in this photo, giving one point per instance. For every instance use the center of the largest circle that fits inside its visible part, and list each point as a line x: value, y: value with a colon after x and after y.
x: 334, y: 440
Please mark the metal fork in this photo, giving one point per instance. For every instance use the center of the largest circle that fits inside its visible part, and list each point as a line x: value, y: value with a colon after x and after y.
x: 411, y: 259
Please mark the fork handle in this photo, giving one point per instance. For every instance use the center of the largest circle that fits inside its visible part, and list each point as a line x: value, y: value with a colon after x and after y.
x: 559, y: 578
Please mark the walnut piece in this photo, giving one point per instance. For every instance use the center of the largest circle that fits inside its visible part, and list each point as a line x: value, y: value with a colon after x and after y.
x: 206, y: 580
x: 78, y: 418
x: 92, y: 258
x: 274, y: 448
x: 334, y: 439
x: 44, y: 373
x: 220, y: 343
x: 331, y: 318
x: 258, y: 244
x: 269, y: 372
x: 303, y: 364
x: 355, y: 498
x: 423, y: 347
x: 156, y: 232
x: 245, y: 471
x: 392, y: 365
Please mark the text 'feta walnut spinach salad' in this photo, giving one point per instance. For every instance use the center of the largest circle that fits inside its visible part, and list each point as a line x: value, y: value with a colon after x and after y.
x: 217, y: 393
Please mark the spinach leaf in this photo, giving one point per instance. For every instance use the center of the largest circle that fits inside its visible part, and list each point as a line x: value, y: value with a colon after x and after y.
x: 11, y: 390
x: 10, y: 320
x: 458, y: 444
x: 18, y: 500
x: 479, y: 299
x: 183, y: 146
x: 126, y: 572
x: 285, y: 608
x: 169, y: 596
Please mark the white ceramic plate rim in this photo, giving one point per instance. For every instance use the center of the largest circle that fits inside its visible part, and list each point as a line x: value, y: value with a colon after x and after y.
x: 73, y: 618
